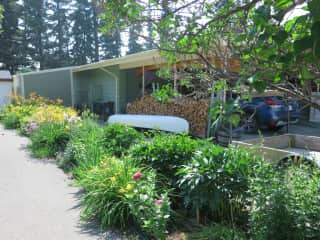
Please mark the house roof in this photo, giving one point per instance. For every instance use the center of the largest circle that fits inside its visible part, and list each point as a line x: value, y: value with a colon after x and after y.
x: 146, y: 58
x: 5, y: 75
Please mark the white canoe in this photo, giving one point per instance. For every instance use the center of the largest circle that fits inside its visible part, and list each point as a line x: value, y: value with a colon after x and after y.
x: 164, y: 123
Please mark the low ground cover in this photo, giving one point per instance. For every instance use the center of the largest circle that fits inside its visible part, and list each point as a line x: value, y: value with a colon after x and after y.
x: 161, y: 183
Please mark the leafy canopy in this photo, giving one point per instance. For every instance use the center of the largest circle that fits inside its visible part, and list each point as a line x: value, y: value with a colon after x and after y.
x: 273, y: 42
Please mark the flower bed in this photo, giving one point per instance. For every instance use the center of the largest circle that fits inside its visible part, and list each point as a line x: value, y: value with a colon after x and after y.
x: 157, y: 182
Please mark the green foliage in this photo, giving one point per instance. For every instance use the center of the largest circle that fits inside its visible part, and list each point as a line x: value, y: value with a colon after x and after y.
x: 1, y: 17
x: 118, y: 138
x: 84, y: 149
x: 273, y: 42
x: 166, y: 153
x: 217, y: 232
x: 118, y: 193
x: 164, y: 93
x: 11, y: 121
x: 49, y: 139
x: 12, y: 116
x: 216, y: 181
x: 285, y: 203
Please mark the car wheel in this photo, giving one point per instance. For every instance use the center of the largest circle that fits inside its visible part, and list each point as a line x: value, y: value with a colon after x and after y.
x: 249, y: 123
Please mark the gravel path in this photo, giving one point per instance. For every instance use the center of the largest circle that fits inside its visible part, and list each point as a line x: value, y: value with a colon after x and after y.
x: 36, y: 199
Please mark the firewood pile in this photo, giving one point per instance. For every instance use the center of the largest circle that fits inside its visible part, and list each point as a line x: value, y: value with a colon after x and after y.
x: 194, y: 111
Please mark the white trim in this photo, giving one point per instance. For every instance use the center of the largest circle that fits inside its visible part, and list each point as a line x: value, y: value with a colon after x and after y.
x: 22, y: 87
x: 46, y: 71
x: 143, y: 81
x: 116, y: 78
x: 130, y: 61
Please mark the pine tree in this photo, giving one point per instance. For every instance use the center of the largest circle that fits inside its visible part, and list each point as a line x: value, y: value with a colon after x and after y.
x: 134, y: 45
x: 83, y: 47
x: 1, y: 16
x: 148, y: 43
x: 9, y: 38
x: 35, y: 32
x: 95, y: 20
x: 111, y: 45
x: 58, y: 25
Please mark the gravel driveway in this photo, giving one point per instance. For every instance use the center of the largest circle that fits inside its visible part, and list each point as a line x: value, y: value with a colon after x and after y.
x: 36, y: 199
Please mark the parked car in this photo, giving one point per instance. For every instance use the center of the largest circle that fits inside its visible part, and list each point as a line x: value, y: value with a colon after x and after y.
x: 271, y: 112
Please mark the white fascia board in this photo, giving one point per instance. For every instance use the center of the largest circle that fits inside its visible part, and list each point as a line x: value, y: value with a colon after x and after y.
x: 147, y: 56
x: 45, y: 71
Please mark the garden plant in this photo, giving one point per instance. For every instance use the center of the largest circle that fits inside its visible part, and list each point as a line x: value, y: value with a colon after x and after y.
x: 157, y: 183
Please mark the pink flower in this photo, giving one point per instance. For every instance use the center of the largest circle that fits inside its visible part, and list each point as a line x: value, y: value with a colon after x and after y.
x: 158, y: 202
x: 137, y: 176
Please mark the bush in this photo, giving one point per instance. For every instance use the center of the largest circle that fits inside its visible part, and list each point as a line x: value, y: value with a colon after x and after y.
x: 49, y: 139
x: 12, y: 116
x: 166, y: 153
x: 215, y: 183
x: 118, y: 138
x: 117, y: 193
x: 285, y: 203
x: 84, y: 149
x: 47, y: 113
x: 217, y: 232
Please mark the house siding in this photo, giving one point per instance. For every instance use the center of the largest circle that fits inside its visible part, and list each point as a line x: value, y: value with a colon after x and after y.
x: 53, y: 85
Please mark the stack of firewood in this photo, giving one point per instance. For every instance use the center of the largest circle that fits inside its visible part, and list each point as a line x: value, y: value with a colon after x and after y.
x: 194, y: 111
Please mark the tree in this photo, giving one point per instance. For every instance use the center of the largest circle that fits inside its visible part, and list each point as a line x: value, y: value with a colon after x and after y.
x: 9, y: 38
x: 35, y: 31
x: 1, y: 17
x: 272, y: 48
x: 111, y: 45
x: 134, y: 43
x: 83, y: 33
x: 58, y: 27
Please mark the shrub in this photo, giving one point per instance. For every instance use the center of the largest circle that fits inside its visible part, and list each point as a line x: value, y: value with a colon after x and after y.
x: 166, y: 153
x: 47, y: 113
x: 118, y: 138
x: 117, y: 193
x: 49, y: 139
x: 84, y: 149
x: 217, y: 232
x: 285, y: 203
x: 162, y: 95
x: 12, y: 115
x: 214, y: 184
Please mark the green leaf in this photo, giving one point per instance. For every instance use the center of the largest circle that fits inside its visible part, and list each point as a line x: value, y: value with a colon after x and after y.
x: 303, y: 44
x: 316, y: 50
x: 315, y: 31
x: 280, y: 37
x: 257, y: 83
x: 282, y: 4
x: 314, y: 8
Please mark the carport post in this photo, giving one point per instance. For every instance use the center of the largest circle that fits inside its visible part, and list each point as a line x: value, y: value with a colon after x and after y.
x: 72, y: 88
x: 143, y: 81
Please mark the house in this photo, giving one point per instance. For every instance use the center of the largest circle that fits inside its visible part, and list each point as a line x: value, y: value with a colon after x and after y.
x: 111, y: 83
x: 5, y: 87
x: 117, y: 81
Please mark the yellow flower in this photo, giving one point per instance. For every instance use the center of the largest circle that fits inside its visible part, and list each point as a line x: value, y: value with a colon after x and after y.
x: 113, y: 179
x: 121, y: 190
x: 129, y: 187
